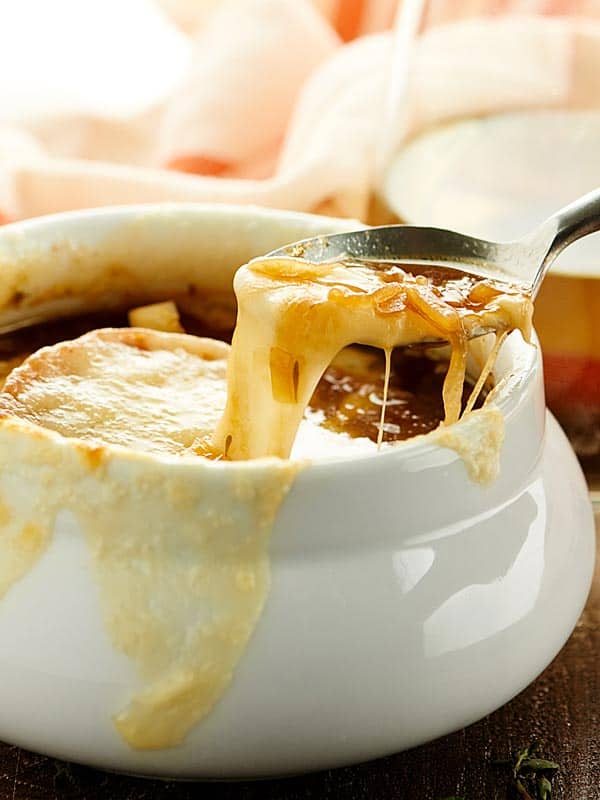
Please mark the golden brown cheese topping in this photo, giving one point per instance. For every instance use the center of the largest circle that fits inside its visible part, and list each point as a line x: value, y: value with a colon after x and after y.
x: 141, y: 389
x: 294, y: 317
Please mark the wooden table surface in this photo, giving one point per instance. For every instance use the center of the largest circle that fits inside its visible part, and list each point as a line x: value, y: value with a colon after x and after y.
x: 562, y: 708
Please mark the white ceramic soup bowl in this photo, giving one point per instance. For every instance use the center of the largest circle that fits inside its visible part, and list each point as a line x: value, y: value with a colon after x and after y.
x: 406, y: 601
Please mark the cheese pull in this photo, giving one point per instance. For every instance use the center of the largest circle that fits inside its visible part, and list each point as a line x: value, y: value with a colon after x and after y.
x: 295, y: 316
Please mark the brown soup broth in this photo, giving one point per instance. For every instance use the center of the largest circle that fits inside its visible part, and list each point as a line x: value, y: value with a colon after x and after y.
x: 350, y: 393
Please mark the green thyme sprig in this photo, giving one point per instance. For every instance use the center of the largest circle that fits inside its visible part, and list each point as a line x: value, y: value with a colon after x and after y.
x: 531, y: 775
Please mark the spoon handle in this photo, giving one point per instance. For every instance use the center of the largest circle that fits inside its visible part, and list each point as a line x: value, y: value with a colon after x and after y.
x: 572, y: 222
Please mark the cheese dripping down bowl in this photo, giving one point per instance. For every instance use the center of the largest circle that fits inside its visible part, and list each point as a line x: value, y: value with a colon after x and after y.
x: 171, y: 615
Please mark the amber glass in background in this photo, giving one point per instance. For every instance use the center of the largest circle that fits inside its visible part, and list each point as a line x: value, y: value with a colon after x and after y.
x: 493, y: 148
x: 568, y: 322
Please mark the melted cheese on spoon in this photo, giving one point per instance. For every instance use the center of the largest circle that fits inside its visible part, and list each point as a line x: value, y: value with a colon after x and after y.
x: 295, y: 316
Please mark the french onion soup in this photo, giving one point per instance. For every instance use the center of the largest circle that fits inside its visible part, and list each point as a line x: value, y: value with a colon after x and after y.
x: 130, y: 430
x: 347, y: 347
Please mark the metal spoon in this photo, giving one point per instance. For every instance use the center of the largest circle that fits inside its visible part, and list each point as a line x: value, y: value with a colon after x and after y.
x: 524, y: 262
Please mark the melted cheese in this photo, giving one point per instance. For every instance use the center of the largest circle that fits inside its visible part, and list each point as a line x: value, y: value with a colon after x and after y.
x: 477, y: 440
x: 294, y: 317
x: 140, y: 389
x: 179, y: 547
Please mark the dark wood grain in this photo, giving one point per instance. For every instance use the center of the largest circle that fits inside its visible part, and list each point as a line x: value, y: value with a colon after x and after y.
x: 562, y: 708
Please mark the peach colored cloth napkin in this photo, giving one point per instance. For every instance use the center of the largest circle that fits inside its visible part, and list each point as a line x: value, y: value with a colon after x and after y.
x: 284, y: 103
